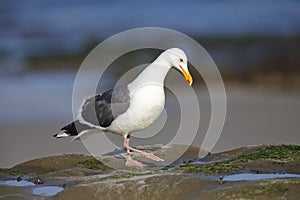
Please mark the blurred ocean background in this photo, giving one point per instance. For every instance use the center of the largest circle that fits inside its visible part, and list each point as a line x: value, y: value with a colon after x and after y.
x: 255, y: 44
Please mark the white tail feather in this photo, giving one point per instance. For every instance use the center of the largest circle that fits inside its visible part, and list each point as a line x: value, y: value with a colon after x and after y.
x: 85, y: 134
x: 61, y: 134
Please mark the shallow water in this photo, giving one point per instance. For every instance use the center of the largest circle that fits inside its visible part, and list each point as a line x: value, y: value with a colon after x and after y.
x: 22, y: 183
x: 47, y: 190
x: 36, y: 190
x: 255, y: 177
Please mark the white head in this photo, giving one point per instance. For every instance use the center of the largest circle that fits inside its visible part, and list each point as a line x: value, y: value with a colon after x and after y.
x: 177, y: 58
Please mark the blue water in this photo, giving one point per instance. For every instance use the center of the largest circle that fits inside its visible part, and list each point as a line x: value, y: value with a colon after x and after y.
x: 35, y: 27
x: 255, y: 177
x: 49, y: 27
x: 45, y: 191
x: 21, y: 183
x: 36, y: 97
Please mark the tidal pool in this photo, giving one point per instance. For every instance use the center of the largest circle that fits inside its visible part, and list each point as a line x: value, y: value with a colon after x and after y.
x: 45, y: 191
x: 255, y: 177
x: 21, y: 183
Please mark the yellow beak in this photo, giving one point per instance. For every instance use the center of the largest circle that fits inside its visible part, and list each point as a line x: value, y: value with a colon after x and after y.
x: 187, y: 76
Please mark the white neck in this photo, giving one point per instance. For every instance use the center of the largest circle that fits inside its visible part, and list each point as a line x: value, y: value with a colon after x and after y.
x: 155, y: 73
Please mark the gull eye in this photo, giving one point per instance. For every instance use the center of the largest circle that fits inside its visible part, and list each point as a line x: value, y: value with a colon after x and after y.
x: 181, y: 60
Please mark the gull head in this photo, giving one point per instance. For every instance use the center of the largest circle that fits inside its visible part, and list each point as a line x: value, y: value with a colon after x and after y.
x: 178, y: 59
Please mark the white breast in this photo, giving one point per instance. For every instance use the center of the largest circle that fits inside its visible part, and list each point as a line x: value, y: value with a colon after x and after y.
x: 147, y: 103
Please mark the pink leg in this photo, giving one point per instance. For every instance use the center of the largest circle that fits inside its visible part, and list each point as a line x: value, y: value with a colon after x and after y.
x: 145, y: 154
x: 134, y: 163
x: 129, y: 161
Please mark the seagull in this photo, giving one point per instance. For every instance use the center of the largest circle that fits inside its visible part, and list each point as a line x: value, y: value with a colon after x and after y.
x: 129, y: 108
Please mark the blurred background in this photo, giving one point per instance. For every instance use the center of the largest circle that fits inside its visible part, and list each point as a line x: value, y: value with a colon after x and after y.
x: 255, y: 44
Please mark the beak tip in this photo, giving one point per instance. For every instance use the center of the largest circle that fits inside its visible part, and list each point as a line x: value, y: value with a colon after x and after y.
x: 187, y: 76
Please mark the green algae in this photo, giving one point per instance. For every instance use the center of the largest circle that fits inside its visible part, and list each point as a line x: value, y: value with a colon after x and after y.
x: 278, y: 153
x: 215, y: 168
x: 92, y: 163
x: 10, y: 172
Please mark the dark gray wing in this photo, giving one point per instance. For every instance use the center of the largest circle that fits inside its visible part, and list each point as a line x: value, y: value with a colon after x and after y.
x: 102, y: 109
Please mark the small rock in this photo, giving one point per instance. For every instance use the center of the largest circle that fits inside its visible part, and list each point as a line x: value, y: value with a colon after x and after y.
x: 19, y: 178
x: 38, y: 181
